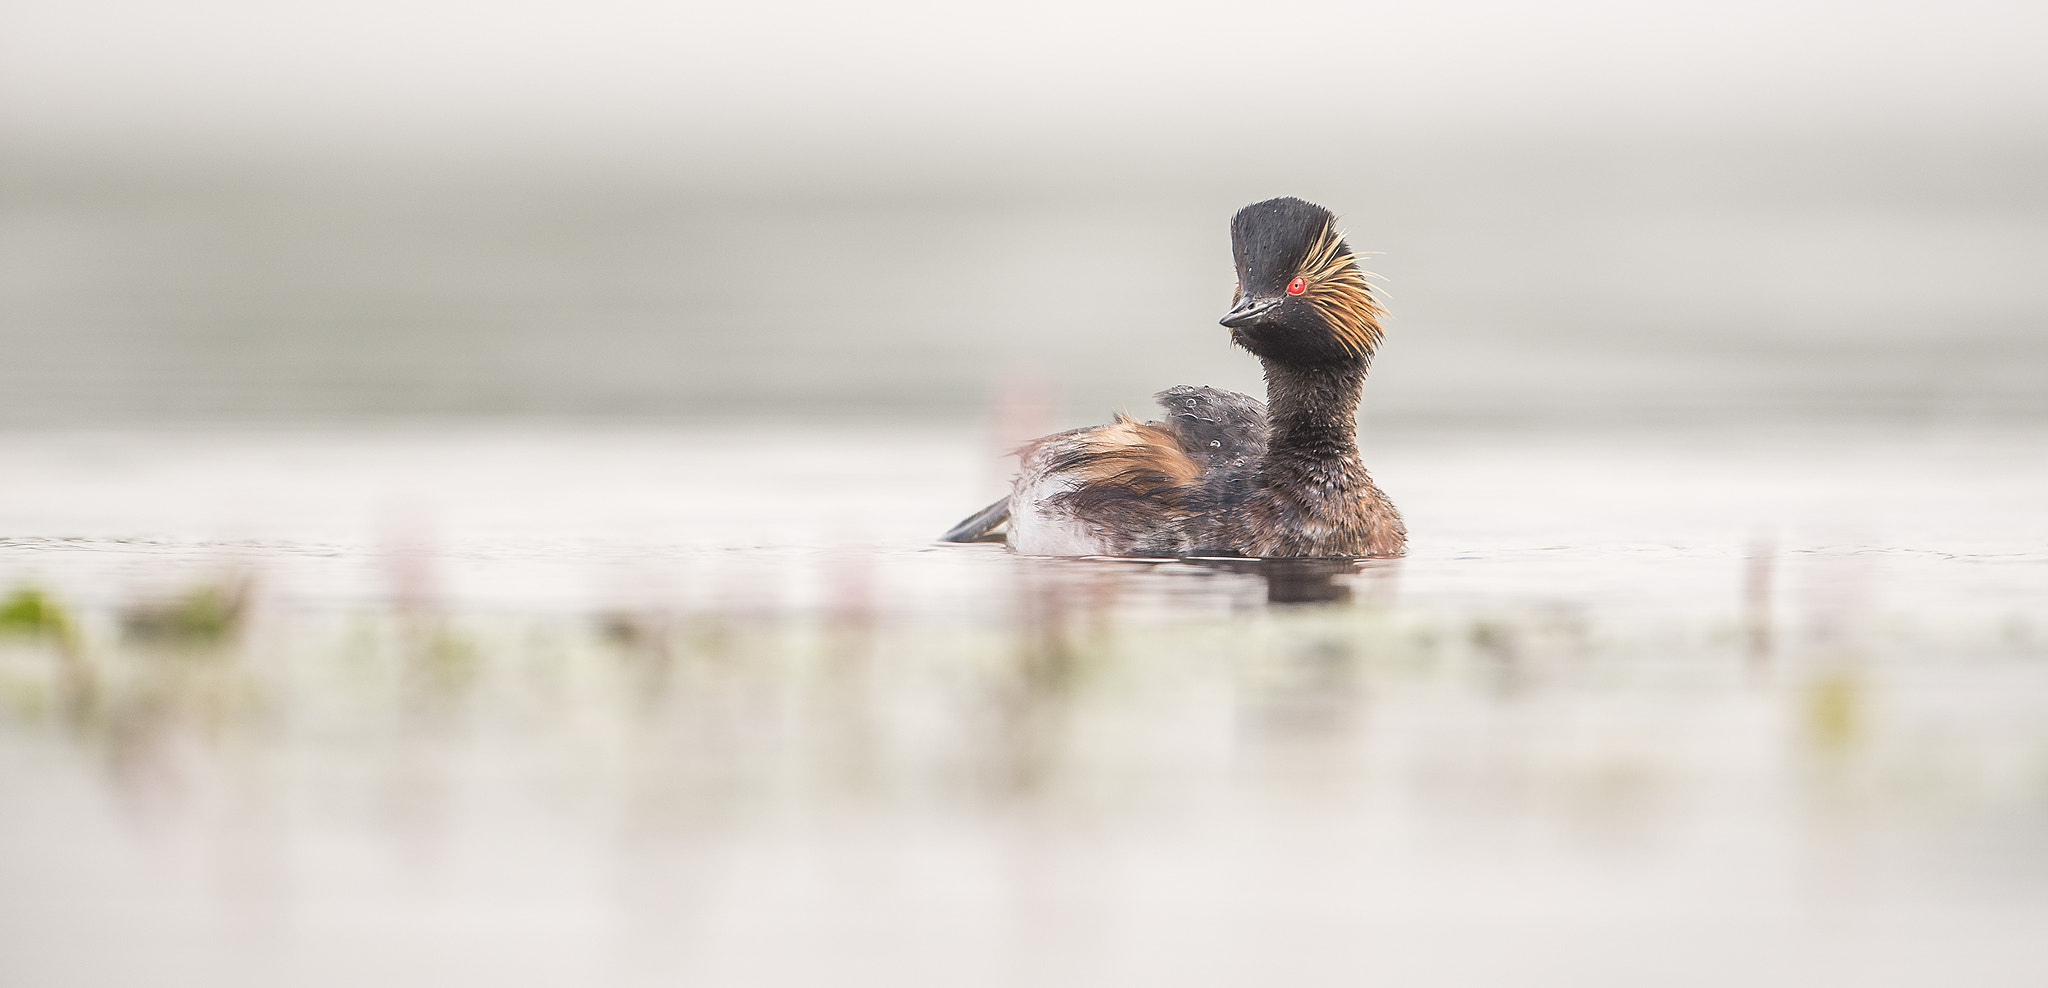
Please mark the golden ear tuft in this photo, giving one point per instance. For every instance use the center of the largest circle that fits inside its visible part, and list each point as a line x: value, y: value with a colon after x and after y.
x: 1337, y: 287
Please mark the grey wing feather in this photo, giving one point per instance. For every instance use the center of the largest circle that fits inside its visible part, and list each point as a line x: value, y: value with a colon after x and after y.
x: 1227, y: 431
x: 1221, y: 428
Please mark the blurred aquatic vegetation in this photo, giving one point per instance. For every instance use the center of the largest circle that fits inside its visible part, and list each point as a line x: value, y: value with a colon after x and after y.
x: 647, y: 645
x: 1518, y: 646
x: 444, y: 664
x: 1092, y: 694
x: 1834, y: 710
x: 1311, y: 687
x: 1056, y: 636
x: 152, y: 722
x: 1758, y: 589
x: 163, y: 726
x: 206, y: 614
x: 31, y: 612
x: 633, y: 630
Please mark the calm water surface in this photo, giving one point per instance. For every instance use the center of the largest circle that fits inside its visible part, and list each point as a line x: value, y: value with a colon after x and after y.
x: 578, y: 705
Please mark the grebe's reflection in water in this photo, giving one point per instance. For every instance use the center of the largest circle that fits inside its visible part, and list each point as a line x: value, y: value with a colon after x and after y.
x: 1315, y: 581
x: 1118, y: 587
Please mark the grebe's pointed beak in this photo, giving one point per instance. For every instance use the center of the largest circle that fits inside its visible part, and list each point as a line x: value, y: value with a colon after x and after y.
x: 1248, y: 310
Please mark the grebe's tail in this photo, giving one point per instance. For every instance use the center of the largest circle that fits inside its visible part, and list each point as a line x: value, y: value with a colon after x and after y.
x: 979, y: 525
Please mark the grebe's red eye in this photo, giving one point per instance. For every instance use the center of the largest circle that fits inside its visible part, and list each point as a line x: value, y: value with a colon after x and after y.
x: 1297, y: 286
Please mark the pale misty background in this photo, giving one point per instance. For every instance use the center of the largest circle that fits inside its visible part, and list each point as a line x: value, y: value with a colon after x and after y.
x: 1584, y: 213
x: 467, y: 473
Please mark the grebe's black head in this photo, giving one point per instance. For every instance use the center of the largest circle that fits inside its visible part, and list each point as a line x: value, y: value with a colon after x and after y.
x: 1301, y: 297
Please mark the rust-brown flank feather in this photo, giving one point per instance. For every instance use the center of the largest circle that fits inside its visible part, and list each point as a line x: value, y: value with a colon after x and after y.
x: 1129, y: 477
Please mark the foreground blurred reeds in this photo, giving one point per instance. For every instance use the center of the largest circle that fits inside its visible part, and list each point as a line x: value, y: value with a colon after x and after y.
x: 1105, y: 691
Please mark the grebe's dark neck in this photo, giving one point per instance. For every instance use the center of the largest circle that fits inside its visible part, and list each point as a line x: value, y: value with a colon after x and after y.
x: 1312, y: 412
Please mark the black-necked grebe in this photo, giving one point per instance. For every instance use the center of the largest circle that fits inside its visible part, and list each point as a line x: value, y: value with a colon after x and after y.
x: 1223, y: 474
